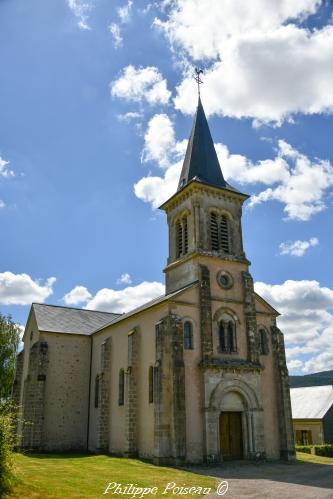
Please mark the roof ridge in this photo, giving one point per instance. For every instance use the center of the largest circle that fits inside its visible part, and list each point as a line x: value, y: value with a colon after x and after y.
x: 76, y: 308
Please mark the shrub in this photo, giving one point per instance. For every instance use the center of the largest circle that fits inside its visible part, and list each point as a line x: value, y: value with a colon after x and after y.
x: 6, y: 447
x: 324, y: 450
x: 303, y: 448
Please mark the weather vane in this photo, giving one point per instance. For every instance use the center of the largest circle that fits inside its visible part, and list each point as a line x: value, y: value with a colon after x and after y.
x: 198, y: 79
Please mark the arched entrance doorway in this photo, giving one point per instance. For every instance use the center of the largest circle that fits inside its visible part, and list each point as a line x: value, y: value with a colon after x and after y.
x: 231, y: 435
x: 233, y: 421
x: 231, y: 426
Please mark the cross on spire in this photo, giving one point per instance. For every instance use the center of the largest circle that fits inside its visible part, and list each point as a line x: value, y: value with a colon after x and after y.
x: 198, y: 79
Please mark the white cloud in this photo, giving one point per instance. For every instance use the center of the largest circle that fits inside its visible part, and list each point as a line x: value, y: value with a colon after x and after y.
x: 141, y: 84
x: 124, y: 13
x: 114, y: 29
x: 297, y: 248
x: 110, y: 300
x: 4, y: 171
x: 128, y: 117
x: 302, y: 190
x: 77, y: 295
x: 21, y: 289
x: 306, y: 320
x: 124, y: 279
x: 160, y: 140
x: 296, y: 181
x: 262, y: 64
x: 81, y: 10
x: 2, y: 204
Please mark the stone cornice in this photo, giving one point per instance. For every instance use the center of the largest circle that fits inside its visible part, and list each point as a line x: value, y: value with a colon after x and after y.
x: 211, y: 254
x: 195, y: 187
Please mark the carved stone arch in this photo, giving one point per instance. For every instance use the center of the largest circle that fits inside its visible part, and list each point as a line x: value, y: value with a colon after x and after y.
x: 220, y: 211
x: 247, y: 394
x: 190, y: 319
x: 179, y: 215
x: 225, y: 310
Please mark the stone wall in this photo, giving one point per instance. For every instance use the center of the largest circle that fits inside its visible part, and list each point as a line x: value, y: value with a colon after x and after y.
x: 131, y: 394
x: 287, y: 446
x: 103, y: 423
x: 169, y: 393
x: 34, y: 398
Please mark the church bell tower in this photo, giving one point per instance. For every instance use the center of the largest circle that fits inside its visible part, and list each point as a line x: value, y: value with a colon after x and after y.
x: 204, y: 215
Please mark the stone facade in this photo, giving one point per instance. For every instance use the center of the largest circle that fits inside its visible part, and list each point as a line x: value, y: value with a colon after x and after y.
x: 219, y: 388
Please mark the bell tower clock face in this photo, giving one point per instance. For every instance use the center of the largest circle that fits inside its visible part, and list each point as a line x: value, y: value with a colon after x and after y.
x: 224, y: 279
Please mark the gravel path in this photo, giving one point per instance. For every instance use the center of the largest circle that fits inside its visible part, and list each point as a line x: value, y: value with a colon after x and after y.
x: 276, y: 481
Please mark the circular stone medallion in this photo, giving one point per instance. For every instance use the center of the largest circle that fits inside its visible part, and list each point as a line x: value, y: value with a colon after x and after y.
x: 224, y: 279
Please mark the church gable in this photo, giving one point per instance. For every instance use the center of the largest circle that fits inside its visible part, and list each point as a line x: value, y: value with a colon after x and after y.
x: 263, y: 307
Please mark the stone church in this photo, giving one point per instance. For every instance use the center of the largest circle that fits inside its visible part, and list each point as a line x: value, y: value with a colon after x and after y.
x: 197, y: 375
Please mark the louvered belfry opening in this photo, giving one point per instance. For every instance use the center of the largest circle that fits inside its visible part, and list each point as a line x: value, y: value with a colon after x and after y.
x: 181, y: 237
x: 219, y: 232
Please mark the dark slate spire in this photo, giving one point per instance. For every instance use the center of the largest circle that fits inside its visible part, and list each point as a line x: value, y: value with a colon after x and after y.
x: 201, y: 161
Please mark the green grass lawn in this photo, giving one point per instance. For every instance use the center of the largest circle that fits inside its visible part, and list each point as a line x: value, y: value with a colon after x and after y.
x: 67, y: 476
x: 303, y: 457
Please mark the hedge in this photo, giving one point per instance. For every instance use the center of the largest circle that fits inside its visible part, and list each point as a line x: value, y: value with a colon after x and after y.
x: 7, y: 478
x: 320, y: 450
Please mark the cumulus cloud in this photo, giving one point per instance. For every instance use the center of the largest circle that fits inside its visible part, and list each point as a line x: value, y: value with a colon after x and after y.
x: 110, y: 300
x: 4, y: 170
x: 124, y: 12
x: 141, y: 84
x: 81, y: 10
x: 114, y: 29
x: 128, y: 117
x: 306, y: 320
x: 293, y: 179
x: 124, y: 279
x: 261, y: 62
x: 160, y: 141
x: 77, y: 295
x: 21, y: 289
x: 297, y: 248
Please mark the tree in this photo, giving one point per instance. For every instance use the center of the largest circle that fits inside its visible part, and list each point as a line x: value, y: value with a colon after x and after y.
x: 9, y: 342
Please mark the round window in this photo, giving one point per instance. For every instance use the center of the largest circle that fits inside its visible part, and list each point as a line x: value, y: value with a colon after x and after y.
x: 224, y: 279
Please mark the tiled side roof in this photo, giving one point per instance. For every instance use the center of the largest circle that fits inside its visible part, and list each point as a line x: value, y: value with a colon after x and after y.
x: 57, y: 319
x: 311, y: 402
x: 149, y: 304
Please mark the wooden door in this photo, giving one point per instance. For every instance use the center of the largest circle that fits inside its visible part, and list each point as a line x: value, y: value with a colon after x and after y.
x: 231, y: 435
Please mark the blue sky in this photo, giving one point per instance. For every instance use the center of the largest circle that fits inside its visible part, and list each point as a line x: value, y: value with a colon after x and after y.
x: 96, y: 102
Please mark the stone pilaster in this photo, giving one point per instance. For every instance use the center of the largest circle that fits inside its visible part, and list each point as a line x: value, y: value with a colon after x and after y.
x: 103, y: 425
x: 250, y: 318
x: 205, y: 314
x: 16, y: 394
x: 16, y: 390
x: 131, y: 393
x: 287, y: 445
x: 34, y: 397
x: 169, y: 393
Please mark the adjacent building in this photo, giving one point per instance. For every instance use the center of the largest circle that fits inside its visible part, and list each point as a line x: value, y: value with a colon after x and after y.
x: 312, y: 411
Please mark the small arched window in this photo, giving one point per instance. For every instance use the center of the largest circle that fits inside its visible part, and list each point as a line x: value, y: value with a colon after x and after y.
x: 151, y: 384
x: 181, y: 237
x: 227, y: 336
x: 96, y: 391
x: 121, y: 390
x: 263, y: 342
x: 188, y: 335
x: 219, y: 232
